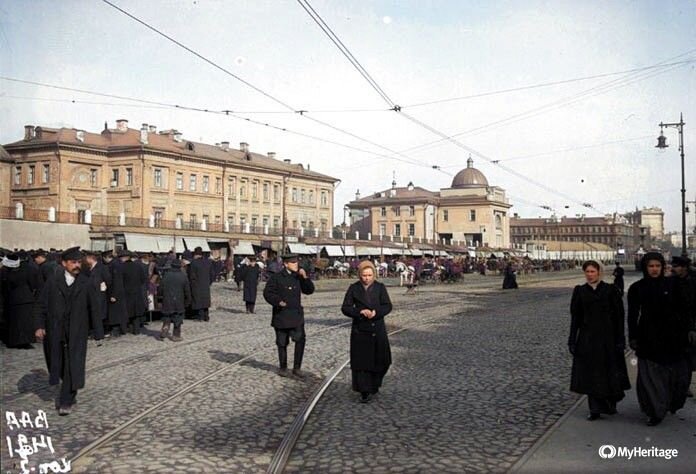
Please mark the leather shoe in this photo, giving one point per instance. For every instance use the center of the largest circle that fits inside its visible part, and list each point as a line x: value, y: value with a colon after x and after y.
x: 283, y: 372
x: 593, y: 417
x: 365, y: 397
x: 64, y: 410
x: 299, y: 374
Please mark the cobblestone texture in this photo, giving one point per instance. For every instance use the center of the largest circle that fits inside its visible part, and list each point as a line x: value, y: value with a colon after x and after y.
x: 234, y: 422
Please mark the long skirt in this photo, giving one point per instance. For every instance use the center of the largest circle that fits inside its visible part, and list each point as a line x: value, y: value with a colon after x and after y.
x: 365, y: 381
x: 662, y: 387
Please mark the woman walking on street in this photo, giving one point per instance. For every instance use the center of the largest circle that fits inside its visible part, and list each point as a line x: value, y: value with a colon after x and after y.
x: 250, y: 276
x: 658, y: 332
x: 597, y: 343
x: 367, y: 303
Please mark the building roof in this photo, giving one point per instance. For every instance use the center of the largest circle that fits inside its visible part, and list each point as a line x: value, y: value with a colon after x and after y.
x: 540, y: 221
x: 393, y: 195
x: 4, y: 156
x: 124, y: 138
x: 469, y: 177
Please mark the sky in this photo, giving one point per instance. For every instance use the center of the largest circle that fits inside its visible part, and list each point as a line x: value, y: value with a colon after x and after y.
x: 579, y: 140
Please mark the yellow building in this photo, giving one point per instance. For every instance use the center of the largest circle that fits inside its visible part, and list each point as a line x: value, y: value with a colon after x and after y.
x: 142, y: 175
x: 469, y: 212
x: 5, y: 174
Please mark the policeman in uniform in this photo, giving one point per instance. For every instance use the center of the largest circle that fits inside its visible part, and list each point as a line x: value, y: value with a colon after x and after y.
x: 284, y: 292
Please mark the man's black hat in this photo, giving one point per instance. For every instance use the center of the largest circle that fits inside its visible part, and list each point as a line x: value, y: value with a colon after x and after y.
x: 176, y: 263
x: 72, y: 253
x: 107, y: 253
x: 681, y: 262
x: 289, y: 257
x: 198, y: 251
x: 39, y: 253
x: 123, y: 253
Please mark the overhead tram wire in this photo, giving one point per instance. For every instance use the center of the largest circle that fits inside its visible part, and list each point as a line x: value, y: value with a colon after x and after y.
x: 431, y: 129
x: 228, y: 113
x: 540, y: 85
x: 301, y: 112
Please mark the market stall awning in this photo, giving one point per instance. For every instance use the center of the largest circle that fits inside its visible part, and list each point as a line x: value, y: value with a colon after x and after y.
x: 165, y: 244
x: 367, y: 251
x: 193, y: 242
x: 301, y: 248
x: 349, y: 251
x: 243, y: 248
x: 141, y: 242
x: 333, y: 250
x: 417, y: 252
x: 388, y: 251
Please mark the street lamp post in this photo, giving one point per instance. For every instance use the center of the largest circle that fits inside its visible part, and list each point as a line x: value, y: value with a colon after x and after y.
x: 662, y: 144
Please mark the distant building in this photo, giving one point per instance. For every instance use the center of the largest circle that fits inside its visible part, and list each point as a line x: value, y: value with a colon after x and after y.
x: 469, y: 212
x: 150, y: 175
x: 613, y: 230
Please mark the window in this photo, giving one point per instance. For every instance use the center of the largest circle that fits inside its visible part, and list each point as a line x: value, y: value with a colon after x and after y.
x: 242, y: 219
x: 324, y: 199
x: 397, y: 211
x: 411, y: 211
x: 180, y: 217
x: 158, y: 212
x: 192, y: 220
x: 18, y: 175
x: 276, y: 193
x: 383, y: 212
x: 32, y: 173
x: 81, y: 216
x: 498, y: 221
x: 206, y: 184
x: 242, y: 189
x: 276, y: 222
x: 472, y: 215
x: 114, y: 177
x: 445, y: 215
x: 382, y: 229
x: 192, y: 182
x: 218, y: 220
x: 230, y: 219
x: 303, y: 196
x: 412, y: 229
x: 158, y: 177
x: 254, y: 221
x: 266, y: 192
x: 231, y: 188
x: 397, y: 230
x: 265, y: 220
x: 129, y: 176
x: 180, y: 181
x: 206, y: 218
x: 255, y: 190
x: 294, y: 194
x: 46, y: 173
x: 218, y: 185
x: 311, y: 197
x: 92, y: 177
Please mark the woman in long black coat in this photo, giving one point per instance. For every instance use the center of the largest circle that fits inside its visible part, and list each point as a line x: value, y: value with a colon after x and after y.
x: 20, y: 284
x: 597, y: 343
x: 367, y: 302
x: 658, y: 332
x: 250, y: 276
x: 510, y: 279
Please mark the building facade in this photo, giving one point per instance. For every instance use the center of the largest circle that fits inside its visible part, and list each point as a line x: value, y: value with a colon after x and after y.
x: 150, y: 175
x: 469, y: 212
x: 613, y: 230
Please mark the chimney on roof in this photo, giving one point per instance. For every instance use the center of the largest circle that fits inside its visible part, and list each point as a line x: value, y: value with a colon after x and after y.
x: 80, y: 135
x: 28, y: 132
x: 178, y: 136
x: 271, y: 154
x: 225, y: 145
x: 153, y: 128
x: 122, y: 125
x: 143, y: 134
x: 357, y: 194
x: 244, y: 146
x: 286, y: 160
x: 410, y: 186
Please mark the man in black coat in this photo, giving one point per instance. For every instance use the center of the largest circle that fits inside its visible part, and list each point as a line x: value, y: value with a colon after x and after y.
x: 250, y: 277
x: 685, y: 289
x: 100, y: 279
x: 47, y: 267
x: 133, y: 282
x: 201, y: 275
x: 176, y: 296
x: 63, y: 313
x: 117, y: 312
x: 284, y: 292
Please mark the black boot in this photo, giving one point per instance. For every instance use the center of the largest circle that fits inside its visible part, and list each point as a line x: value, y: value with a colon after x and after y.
x: 251, y: 308
x: 297, y: 360
x: 283, y: 361
x: 176, y: 336
x: 164, y: 332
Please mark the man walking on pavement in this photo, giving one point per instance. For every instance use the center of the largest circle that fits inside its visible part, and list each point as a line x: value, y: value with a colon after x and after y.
x: 100, y: 279
x: 62, y: 316
x: 201, y: 276
x: 284, y: 292
x: 176, y: 295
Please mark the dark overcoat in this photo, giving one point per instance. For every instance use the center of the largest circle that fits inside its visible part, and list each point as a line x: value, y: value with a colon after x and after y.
x: 175, y: 292
x: 118, y: 315
x: 78, y: 306
x: 287, y: 286
x: 97, y: 276
x: 618, y: 274
x: 48, y: 269
x: 134, y: 280
x: 250, y: 277
x: 369, y: 344
x: 510, y: 279
x: 20, y: 287
x: 201, y: 277
x: 598, y: 342
x: 655, y: 321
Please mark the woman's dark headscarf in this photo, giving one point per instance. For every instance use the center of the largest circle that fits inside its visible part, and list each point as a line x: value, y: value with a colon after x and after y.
x: 652, y: 256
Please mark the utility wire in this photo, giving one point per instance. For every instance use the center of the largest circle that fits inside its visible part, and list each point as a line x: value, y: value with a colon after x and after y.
x: 542, y: 84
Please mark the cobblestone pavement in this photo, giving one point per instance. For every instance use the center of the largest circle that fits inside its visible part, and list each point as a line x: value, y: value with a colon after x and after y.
x: 235, y: 421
